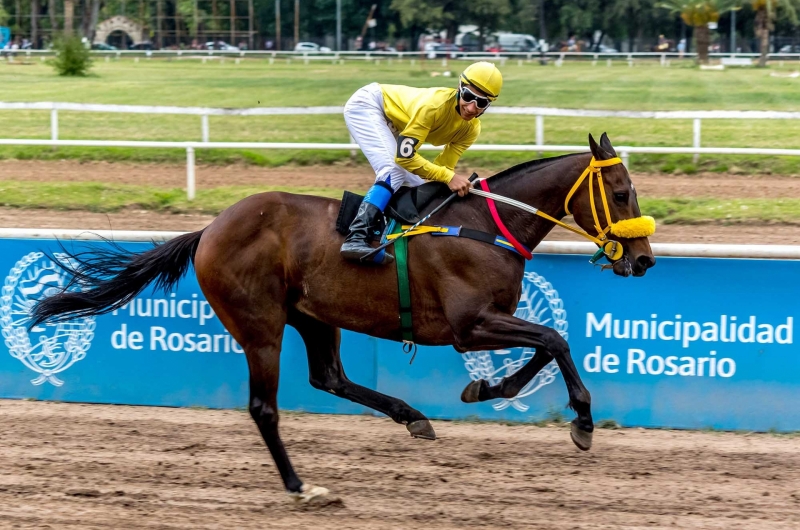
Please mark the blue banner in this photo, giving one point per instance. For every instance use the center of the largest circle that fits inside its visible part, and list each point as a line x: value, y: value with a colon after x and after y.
x: 696, y: 343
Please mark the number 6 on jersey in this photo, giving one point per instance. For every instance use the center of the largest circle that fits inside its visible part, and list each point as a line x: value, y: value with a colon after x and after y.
x: 406, y: 147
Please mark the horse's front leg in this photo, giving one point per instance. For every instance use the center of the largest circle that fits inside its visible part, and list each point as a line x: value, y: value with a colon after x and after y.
x: 500, y: 330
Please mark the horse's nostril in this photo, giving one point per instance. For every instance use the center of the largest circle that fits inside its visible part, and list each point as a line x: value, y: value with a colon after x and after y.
x: 645, y: 262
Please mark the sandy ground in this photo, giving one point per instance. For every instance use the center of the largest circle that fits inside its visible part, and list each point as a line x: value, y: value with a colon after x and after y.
x: 98, y: 466
x: 359, y: 178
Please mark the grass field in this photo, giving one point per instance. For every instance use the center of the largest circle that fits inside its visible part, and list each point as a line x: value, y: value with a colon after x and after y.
x: 646, y: 86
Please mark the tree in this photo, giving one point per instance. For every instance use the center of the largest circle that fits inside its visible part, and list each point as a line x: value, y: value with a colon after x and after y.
x: 698, y: 15
x: 767, y: 11
x: 188, y: 11
x: 487, y: 15
x: 436, y: 14
x: 72, y: 57
x: 448, y: 14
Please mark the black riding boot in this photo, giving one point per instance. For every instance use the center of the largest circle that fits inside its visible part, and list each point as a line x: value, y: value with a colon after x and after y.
x: 356, y: 244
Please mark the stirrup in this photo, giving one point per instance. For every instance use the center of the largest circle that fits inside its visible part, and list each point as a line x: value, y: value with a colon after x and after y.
x: 357, y: 250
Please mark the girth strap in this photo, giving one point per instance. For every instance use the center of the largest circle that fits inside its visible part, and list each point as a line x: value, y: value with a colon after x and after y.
x: 403, y: 286
x: 460, y: 231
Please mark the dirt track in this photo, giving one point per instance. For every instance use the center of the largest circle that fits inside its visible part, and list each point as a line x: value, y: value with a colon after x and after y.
x: 359, y: 178
x: 98, y: 466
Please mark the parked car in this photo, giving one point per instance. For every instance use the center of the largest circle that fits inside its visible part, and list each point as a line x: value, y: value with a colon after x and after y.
x: 437, y: 50
x: 142, y: 46
x: 221, y: 46
x: 790, y: 49
x: 104, y: 47
x: 606, y: 49
x: 310, y: 47
x: 517, y: 42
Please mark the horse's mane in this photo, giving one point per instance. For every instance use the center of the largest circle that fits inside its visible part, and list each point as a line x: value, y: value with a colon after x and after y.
x: 533, y: 166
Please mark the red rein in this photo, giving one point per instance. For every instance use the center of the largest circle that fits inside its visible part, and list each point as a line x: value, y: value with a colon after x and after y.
x: 503, y: 230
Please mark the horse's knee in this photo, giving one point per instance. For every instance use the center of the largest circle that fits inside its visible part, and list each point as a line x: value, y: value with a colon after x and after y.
x: 327, y: 383
x: 554, y: 343
x: 263, y: 414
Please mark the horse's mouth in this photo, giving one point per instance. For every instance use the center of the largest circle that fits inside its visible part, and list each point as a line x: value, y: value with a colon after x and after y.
x: 623, y: 266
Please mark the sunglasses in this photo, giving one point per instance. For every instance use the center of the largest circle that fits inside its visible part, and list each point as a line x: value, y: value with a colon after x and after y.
x: 469, y: 96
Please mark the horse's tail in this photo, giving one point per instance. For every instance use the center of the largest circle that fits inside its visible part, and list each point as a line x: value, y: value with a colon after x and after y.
x: 110, y: 278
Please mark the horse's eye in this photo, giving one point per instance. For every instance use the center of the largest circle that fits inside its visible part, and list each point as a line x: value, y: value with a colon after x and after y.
x: 621, y: 197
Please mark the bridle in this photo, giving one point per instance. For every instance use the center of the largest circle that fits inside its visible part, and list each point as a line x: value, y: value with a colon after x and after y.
x: 642, y: 226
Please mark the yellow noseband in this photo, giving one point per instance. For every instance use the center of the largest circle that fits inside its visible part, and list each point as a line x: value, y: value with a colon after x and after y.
x: 643, y: 226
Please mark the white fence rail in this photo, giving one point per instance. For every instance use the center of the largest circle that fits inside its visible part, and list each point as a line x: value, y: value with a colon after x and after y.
x: 539, y: 112
x: 546, y: 247
x: 189, y: 147
x: 528, y: 56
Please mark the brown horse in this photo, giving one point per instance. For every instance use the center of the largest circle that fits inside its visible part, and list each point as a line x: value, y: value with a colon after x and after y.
x: 272, y: 259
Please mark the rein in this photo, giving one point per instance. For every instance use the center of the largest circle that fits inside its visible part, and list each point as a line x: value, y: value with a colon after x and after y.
x: 643, y: 226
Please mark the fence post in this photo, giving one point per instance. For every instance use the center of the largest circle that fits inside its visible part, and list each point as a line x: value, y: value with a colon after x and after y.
x: 696, y: 135
x: 353, y: 152
x: 54, y: 124
x: 190, y: 173
x: 204, y: 123
x: 626, y: 160
x: 539, y: 132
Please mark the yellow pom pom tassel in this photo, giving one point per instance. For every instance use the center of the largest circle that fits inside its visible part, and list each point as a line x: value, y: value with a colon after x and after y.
x: 643, y: 226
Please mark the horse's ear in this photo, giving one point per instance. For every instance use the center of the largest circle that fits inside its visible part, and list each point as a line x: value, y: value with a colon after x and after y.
x: 594, y: 147
x: 605, y: 144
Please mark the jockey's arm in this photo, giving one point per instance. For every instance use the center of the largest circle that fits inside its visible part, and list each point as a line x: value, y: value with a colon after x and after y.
x: 452, y: 152
x: 442, y: 168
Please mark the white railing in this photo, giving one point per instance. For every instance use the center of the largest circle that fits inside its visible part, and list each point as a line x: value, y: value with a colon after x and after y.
x: 538, y: 112
x: 545, y: 247
x: 528, y: 56
x: 623, y: 151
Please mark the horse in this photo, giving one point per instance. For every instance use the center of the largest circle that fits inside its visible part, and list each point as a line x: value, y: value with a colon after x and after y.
x: 272, y: 260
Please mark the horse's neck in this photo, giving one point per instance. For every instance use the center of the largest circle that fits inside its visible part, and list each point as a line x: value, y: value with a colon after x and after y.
x: 544, y: 188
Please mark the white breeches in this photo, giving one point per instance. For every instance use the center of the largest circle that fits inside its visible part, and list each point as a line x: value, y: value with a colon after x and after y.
x: 375, y: 135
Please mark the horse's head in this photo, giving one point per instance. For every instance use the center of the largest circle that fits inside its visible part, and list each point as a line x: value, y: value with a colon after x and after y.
x: 609, y: 207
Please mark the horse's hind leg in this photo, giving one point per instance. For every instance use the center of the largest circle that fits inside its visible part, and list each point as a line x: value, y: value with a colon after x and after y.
x: 327, y: 373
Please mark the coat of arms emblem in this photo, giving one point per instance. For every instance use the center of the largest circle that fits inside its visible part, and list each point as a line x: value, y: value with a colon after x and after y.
x: 47, y: 349
x: 539, y: 304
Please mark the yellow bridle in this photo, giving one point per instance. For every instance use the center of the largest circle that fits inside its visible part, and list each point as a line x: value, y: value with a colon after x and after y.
x: 643, y: 226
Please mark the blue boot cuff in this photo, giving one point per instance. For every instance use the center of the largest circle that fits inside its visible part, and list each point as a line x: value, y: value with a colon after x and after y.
x: 379, y: 195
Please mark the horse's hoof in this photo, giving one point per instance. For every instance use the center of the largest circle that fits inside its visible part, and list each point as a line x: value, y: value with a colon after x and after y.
x: 581, y: 438
x: 308, y: 493
x: 421, y: 429
x: 472, y: 391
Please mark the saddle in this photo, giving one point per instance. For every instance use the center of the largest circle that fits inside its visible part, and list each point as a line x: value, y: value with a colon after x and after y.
x: 405, y: 206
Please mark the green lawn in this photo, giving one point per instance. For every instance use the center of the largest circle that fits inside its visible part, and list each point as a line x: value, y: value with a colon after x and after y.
x: 646, y: 86
x: 255, y: 82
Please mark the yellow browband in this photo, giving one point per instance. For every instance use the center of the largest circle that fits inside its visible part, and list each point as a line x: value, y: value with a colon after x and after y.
x: 643, y: 226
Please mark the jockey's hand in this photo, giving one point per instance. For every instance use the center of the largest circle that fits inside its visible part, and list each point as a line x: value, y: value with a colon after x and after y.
x: 460, y: 184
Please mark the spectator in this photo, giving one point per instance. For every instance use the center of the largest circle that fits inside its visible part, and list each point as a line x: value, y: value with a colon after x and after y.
x: 681, y: 48
x: 572, y: 44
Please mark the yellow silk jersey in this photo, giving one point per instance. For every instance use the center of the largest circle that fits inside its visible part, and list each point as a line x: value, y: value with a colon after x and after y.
x: 428, y: 115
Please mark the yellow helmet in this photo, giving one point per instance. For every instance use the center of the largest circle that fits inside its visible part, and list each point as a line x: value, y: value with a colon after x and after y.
x: 484, y: 76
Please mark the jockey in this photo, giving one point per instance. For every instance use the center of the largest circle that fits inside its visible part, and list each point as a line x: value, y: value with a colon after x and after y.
x: 389, y: 123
